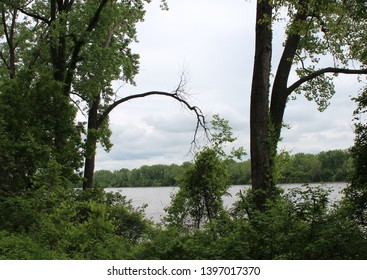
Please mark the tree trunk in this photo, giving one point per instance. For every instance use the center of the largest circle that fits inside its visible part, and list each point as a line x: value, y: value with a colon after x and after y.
x: 280, y: 90
x: 259, y: 112
x: 91, y: 144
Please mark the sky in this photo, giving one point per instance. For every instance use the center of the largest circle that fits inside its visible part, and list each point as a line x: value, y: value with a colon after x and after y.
x: 212, y: 41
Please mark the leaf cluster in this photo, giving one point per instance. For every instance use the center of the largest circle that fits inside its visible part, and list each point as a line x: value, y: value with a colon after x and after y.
x: 327, y: 32
x: 199, y: 199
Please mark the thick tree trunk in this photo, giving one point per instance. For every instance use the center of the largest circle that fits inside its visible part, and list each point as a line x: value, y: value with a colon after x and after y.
x: 91, y: 144
x: 259, y: 112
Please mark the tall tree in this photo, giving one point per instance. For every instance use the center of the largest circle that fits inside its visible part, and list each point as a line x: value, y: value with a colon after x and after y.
x: 314, y: 30
x: 259, y: 116
x: 63, y: 56
x: 37, y: 117
x: 205, y: 182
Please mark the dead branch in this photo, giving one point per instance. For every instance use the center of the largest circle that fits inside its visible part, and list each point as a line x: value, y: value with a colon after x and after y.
x: 178, y: 94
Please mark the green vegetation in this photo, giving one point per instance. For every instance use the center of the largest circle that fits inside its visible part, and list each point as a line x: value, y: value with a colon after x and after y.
x: 53, y: 220
x: 204, y: 183
x: 58, y: 57
x: 356, y: 193
x: 330, y: 166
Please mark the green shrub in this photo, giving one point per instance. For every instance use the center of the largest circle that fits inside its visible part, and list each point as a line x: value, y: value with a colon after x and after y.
x: 22, y: 247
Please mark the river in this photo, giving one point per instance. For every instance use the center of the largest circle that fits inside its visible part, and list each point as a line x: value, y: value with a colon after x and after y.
x: 157, y: 198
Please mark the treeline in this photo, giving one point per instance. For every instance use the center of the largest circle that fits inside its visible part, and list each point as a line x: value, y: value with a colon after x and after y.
x: 329, y: 166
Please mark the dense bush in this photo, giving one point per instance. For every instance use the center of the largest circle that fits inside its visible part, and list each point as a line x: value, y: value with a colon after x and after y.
x: 300, y: 225
x: 57, y: 222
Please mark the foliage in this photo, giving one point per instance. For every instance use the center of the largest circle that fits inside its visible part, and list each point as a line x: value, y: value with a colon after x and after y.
x: 205, y: 182
x: 199, y: 198
x: 64, y: 223
x: 298, y: 225
x: 57, y: 57
x: 356, y: 193
x: 329, y: 166
x: 29, y: 123
x: 54, y: 222
x: 22, y: 247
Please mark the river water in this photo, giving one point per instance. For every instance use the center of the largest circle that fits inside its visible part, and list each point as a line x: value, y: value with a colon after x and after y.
x: 157, y: 198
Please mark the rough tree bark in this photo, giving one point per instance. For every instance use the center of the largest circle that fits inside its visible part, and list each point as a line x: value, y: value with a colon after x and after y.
x: 259, y: 111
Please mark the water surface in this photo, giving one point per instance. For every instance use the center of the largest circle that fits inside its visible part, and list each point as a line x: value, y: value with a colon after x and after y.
x: 157, y: 198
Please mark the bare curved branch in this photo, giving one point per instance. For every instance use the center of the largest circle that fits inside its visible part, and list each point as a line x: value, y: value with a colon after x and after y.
x: 178, y: 95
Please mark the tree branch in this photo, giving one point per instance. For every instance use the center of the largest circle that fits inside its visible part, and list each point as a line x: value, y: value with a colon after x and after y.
x: 178, y: 95
x: 4, y: 60
x: 94, y: 20
x: 28, y: 13
x: 3, y: 19
x: 78, y: 46
x: 34, y: 15
x: 320, y: 72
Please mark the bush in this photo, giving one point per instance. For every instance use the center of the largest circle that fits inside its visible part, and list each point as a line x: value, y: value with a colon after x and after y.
x: 22, y: 247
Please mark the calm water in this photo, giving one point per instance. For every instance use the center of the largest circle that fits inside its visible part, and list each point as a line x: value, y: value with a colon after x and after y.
x: 158, y: 198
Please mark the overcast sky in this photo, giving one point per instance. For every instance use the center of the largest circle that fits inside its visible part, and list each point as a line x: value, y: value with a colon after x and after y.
x: 213, y: 42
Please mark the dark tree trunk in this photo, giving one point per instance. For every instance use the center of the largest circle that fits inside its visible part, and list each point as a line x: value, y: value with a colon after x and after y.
x: 280, y: 90
x: 259, y: 112
x: 91, y: 144
x: 266, y: 123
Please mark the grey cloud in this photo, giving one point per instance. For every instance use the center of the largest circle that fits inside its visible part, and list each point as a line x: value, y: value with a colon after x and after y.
x: 216, y: 49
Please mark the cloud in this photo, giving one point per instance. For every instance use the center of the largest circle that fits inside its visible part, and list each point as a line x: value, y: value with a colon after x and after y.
x: 151, y: 140
x: 213, y: 41
x: 313, y: 131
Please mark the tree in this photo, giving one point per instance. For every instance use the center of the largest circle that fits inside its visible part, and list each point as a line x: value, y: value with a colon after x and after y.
x: 36, y: 115
x: 302, y: 168
x: 205, y: 182
x: 67, y: 54
x: 259, y: 117
x: 122, y: 178
x: 356, y: 192
x: 103, y: 178
x: 314, y: 30
x: 333, y: 162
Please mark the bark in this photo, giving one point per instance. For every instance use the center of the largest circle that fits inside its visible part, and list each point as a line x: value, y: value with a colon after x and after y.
x: 64, y: 66
x: 9, y: 32
x: 91, y: 144
x: 280, y: 92
x: 259, y: 111
x: 78, y: 44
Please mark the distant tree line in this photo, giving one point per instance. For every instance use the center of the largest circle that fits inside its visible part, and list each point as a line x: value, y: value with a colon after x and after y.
x: 330, y: 166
